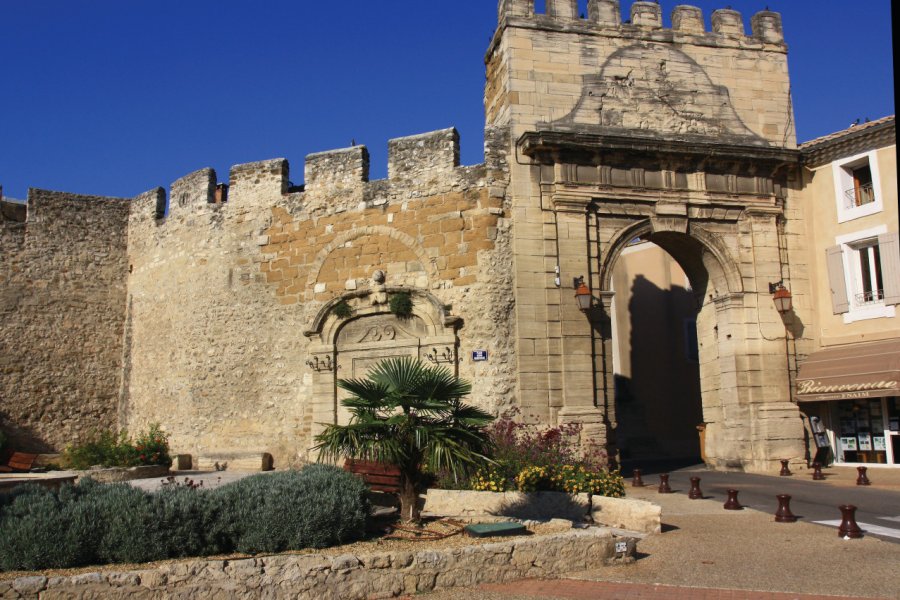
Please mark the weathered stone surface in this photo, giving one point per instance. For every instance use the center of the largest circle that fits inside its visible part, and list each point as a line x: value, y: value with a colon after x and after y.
x: 63, y: 276
x: 345, y: 577
x: 627, y: 513
x: 219, y: 319
x: 234, y: 461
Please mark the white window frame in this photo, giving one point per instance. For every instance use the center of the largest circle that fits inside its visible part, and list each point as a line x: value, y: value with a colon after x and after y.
x: 850, y: 244
x: 842, y: 171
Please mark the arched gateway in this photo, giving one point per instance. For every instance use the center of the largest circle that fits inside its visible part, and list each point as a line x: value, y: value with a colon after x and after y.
x: 598, y: 132
x: 681, y: 137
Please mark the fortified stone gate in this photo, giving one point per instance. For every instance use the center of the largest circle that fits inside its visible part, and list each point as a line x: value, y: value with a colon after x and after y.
x: 683, y: 137
x: 228, y: 311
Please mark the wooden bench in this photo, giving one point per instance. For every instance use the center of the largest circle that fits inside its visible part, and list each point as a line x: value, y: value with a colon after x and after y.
x: 380, y: 477
x: 19, y: 462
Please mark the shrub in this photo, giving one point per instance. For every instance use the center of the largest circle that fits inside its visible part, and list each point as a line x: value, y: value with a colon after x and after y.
x: 181, y: 519
x: 153, y: 447
x: 489, y: 480
x: 94, y: 523
x: 533, y: 478
x: 401, y: 304
x: 105, y: 449
x: 317, y: 507
x: 578, y: 479
x: 342, y: 310
x: 108, y: 449
x: 38, y: 531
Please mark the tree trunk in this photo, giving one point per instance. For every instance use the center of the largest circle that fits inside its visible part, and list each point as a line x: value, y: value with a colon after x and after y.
x: 409, y: 500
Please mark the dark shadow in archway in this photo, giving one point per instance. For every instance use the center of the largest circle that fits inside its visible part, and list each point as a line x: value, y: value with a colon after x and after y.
x: 658, y: 407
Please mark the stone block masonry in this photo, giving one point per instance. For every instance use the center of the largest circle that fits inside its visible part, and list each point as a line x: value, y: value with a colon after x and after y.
x: 345, y: 577
x: 227, y: 312
x: 63, y: 274
x: 221, y: 295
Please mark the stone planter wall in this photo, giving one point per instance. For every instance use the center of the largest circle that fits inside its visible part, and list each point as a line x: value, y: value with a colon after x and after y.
x: 119, y: 474
x: 623, y: 513
x: 520, y: 505
x: 346, y: 577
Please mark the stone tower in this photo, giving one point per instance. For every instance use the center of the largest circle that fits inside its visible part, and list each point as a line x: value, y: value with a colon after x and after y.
x: 683, y: 136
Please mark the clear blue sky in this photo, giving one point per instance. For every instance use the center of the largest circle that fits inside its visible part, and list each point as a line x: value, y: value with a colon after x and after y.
x: 114, y: 97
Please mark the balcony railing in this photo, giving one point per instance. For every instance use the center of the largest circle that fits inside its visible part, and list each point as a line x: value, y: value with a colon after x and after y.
x: 859, y: 195
x: 869, y: 297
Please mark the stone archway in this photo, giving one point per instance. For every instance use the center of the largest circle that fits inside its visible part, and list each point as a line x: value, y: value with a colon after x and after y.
x: 666, y: 423
x: 719, y: 213
x: 347, y: 347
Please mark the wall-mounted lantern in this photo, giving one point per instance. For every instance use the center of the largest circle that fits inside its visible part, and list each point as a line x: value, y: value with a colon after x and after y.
x: 583, y: 294
x: 781, y: 296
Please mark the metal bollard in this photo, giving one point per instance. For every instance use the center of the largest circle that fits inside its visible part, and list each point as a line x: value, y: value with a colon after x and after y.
x: 695, y: 493
x: 732, y: 502
x: 862, y: 478
x: 784, y: 514
x: 785, y: 471
x: 636, y: 480
x: 664, y: 484
x: 849, y: 529
x: 817, y: 472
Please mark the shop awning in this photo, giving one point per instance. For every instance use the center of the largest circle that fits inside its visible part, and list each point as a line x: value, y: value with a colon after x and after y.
x: 864, y: 370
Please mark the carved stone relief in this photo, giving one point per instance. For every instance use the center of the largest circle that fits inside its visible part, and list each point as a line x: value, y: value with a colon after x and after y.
x: 657, y: 89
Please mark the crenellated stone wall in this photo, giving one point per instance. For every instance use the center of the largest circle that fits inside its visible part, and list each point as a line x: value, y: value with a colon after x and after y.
x: 638, y: 76
x: 222, y: 295
x: 226, y: 310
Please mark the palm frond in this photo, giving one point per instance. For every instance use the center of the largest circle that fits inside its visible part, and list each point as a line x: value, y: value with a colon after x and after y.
x: 410, y: 414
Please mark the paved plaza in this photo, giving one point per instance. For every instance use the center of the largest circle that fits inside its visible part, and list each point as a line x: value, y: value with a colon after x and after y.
x: 707, y: 552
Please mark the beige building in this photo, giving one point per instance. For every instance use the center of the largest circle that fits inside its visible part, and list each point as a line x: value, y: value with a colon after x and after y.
x: 849, y: 386
x: 226, y: 310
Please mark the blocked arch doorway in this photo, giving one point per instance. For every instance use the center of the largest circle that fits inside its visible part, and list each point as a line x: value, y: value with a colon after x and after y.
x: 347, y: 347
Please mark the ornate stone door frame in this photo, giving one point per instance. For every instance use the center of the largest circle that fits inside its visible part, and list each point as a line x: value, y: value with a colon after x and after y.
x: 330, y: 357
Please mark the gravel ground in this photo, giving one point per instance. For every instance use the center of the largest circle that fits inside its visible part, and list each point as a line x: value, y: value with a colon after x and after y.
x: 704, y: 546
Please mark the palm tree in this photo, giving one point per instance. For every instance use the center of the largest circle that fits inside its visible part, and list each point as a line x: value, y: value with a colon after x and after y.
x: 411, y: 415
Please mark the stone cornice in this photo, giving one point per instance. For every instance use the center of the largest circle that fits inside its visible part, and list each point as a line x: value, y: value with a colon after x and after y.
x: 550, y: 146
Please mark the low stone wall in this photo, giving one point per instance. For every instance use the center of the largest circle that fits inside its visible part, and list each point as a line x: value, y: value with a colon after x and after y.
x: 119, y: 474
x: 346, y: 577
x: 622, y: 513
x: 53, y: 480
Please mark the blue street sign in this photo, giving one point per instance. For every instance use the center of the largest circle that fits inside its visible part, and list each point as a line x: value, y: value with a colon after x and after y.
x: 479, y: 355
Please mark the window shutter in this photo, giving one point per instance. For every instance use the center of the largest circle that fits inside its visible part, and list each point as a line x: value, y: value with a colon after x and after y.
x: 835, y: 262
x: 889, y: 249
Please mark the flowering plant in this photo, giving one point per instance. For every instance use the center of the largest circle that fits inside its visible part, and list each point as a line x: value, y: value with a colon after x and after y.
x: 532, y: 458
x: 108, y: 449
x: 153, y: 447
